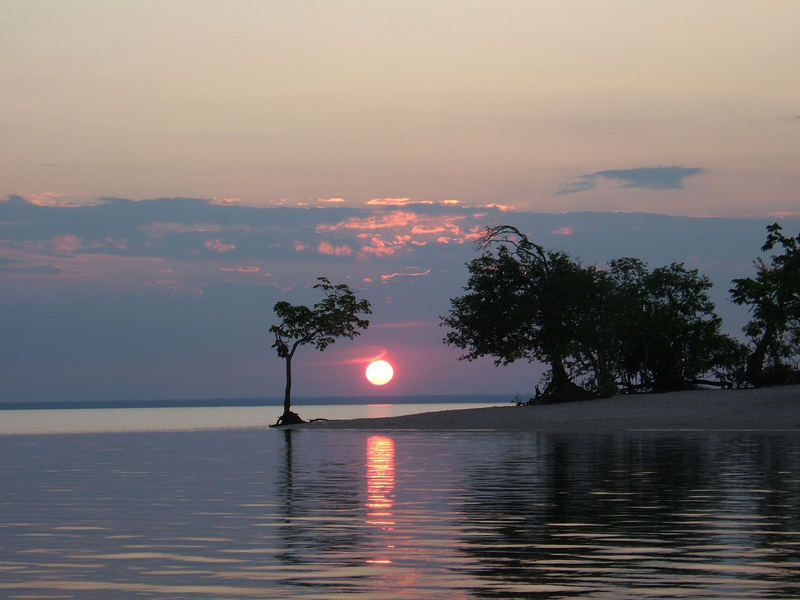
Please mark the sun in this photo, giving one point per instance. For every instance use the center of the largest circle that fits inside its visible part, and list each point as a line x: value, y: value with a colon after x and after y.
x: 379, y: 372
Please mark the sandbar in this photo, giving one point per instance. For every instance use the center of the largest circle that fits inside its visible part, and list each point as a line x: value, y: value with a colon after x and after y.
x: 763, y: 409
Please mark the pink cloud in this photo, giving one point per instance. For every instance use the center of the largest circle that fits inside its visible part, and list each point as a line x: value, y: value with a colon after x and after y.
x: 394, y: 275
x: 413, y: 229
x: 240, y: 269
x: 500, y: 207
x: 67, y: 244
x: 396, y: 218
x: 327, y: 248
x: 459, y: 237
x: 226, y: 201
x: 217, y: 245
x: 566, y: 230
x: 427, y: 229
x: 361, y: 359
x: 331, y: 200
x: 300, y: 246
x: 60, y: 199
x: 395, y: 202
x: 382, y: 247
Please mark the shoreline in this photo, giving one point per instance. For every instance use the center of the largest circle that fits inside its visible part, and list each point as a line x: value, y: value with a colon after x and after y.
x: 763, y: 409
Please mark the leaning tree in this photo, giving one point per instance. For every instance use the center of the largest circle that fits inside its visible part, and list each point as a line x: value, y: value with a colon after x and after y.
x: 337, y: 315
x: 522, y: 302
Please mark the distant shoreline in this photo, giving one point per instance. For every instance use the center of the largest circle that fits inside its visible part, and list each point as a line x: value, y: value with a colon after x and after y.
x: 763, y: 409
x: 297, y: 403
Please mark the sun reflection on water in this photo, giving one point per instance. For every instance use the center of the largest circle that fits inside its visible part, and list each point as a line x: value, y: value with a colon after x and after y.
x: 380, y: 487
x: 380, y: 481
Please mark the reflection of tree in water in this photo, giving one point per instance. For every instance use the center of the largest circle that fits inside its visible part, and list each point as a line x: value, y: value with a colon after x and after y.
x: 317, y: 501
x: 570, y: 511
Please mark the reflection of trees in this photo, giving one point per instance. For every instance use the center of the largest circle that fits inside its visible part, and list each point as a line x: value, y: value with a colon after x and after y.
x: 318, y: 504
x: 572, y: 511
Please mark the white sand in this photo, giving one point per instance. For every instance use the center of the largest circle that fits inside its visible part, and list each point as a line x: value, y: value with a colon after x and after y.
x: 771, y: 409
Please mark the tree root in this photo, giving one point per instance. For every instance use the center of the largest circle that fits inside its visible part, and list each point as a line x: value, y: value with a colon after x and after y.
x: 288, y: 418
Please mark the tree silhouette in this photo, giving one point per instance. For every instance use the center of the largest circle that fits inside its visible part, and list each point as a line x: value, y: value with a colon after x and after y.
x: 667, y: 331
x: 335, y: 316
x: 773, y: 297
x: 522, y: 302
x: 598, y: 330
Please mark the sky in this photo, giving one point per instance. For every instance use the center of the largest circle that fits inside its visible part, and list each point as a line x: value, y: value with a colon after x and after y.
x: 172, y: 169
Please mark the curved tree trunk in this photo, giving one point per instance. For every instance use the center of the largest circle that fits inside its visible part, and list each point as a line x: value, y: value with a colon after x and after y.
x: 561, y: 388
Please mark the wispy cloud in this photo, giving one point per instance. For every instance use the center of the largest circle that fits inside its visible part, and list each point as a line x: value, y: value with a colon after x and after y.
x: 158, y: 229
x: 379, y: 246
x: 415, y: 274
x: 217, y: 245
x: 61, y: 200
x: 566, y: 230
x: 651, y: 178
x: 67, y: 244
x: 500, y: 207
x: 328, y: 248
x: 226, y: 201
x: 397, y: 218
x: 396, y: 202
x: 241, y: 269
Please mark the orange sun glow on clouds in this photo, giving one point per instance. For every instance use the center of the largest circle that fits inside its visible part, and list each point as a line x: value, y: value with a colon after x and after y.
x: 379, y: 372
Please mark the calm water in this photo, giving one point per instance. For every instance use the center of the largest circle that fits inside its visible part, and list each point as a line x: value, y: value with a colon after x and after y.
x: 240, y: 513
x: 197, y: 417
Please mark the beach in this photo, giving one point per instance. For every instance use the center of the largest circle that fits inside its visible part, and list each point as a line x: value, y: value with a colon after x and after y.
x: 763, y: 409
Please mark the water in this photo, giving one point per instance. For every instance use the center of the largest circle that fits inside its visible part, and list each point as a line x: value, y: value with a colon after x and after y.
x: 194, y: 418
x: 257, y: 513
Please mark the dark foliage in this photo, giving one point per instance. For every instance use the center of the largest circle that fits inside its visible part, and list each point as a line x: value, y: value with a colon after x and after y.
x: 773, y: 298
x: 337, y: 315
x: 600, y: 332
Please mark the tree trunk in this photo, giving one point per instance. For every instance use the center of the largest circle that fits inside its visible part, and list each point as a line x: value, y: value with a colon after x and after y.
x: 288, y: 417
x: 561, y: 388
x: 754, y: 370
x: 287, y: 394
x: 560, y: 377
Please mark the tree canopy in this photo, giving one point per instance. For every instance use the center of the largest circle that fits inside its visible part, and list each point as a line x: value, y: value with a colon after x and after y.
x: 773, y: 298
x: 337, y: 315
x: 599, y: 331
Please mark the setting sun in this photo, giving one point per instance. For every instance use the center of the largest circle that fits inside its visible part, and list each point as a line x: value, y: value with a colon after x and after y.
x: 379, y: 372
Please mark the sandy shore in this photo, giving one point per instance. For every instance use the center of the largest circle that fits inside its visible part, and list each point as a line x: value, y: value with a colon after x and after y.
x: 770, y: 409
